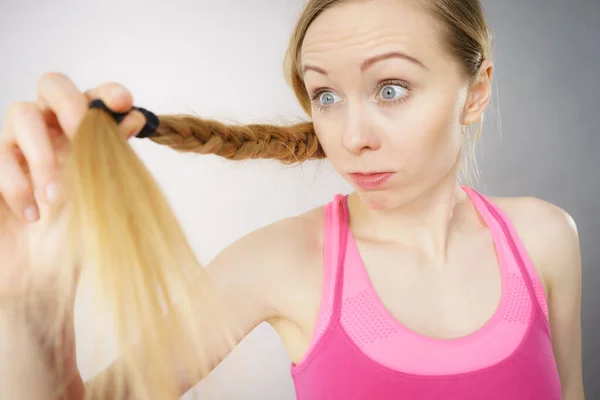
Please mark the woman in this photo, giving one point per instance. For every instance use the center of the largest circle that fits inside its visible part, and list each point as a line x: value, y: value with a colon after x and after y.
x: 411, y: 287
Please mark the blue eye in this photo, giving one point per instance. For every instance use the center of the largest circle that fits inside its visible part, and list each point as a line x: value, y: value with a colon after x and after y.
x: 327, y: 98
x: 392, y: 92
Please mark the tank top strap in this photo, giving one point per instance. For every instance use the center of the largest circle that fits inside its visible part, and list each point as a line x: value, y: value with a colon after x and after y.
x: 495, y: 217
x: 335, y: 251
x: 481, y: 204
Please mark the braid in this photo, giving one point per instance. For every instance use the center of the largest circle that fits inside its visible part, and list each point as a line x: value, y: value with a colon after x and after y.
x: 288, y: 144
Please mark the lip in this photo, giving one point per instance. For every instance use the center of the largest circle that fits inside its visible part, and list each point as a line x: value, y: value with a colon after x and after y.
x: 370, y: 180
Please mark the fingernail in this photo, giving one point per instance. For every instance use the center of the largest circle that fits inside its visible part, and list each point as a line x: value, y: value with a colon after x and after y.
x: 31, y: 213
x: 52, y: 192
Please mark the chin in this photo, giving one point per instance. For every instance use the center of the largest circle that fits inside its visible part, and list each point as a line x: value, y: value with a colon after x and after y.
x: 390, y: 198
x: 378, y: 199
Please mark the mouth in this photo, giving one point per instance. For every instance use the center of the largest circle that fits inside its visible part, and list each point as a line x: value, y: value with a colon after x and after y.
x: 370, y: 180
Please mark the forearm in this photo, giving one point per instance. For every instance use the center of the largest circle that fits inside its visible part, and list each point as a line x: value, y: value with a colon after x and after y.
x: 107, y: 384
x: 24, y: 371
x: 26, y: 364
x: 110, y: 382
x: 104, y: 386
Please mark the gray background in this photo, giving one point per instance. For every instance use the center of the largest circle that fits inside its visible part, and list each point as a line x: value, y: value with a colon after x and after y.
x: 541, y: 137
x: 547, y: 139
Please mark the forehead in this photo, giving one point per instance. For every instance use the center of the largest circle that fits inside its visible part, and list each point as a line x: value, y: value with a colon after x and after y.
x: 352, y: 31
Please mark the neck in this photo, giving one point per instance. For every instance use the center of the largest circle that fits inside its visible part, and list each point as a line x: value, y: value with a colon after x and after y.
x: 424, y: 223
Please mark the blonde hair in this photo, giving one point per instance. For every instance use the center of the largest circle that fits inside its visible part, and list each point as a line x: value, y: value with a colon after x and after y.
x: 121, y: 231
x: 116, y: 224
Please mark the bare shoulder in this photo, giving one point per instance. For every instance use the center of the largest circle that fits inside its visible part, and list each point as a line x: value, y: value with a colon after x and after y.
x: 265, y: 265
x: 280, y: 243
x: 548, y: 232
x: 537, y: 216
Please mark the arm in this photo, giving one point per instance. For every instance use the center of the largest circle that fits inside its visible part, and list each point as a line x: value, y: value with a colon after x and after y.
x: 246, y: 274
x: 562, y: 267
x: 551, y: 239
x: 22, y: 359
x: 26, y: 361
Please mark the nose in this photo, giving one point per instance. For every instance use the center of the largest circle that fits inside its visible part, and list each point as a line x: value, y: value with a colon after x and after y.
x: 359, y: 134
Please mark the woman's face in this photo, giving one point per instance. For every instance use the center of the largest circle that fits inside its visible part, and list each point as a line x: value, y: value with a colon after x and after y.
x: 389, y: 103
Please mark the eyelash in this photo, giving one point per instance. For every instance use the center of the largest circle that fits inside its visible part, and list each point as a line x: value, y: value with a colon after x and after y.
x: 315, y: 95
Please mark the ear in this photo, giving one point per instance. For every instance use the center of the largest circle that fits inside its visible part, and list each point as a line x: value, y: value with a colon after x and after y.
x: 479, y: 94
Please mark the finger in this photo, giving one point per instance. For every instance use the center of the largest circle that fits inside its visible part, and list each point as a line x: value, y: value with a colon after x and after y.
x: 15, y: 187
x: 114, y: 95
x: 33, y: 140
x: 65, y: 100
x: 57, y: 137
x: 48, y: 114
x: 132, y: 124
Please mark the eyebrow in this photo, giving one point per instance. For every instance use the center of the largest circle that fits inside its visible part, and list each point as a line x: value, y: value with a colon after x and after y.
x: 366, y: 64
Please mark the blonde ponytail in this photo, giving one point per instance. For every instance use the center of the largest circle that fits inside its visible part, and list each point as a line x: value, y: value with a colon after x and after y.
x: 116, y: 226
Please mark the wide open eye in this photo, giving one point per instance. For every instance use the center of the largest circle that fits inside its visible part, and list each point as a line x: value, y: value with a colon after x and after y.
x: 392, y: 92
x: 328, y: 98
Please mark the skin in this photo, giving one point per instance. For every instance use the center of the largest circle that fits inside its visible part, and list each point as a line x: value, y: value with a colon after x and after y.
x: 418, y: 228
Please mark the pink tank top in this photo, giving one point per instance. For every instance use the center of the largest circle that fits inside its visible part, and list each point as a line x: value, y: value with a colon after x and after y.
x: 359, y: 351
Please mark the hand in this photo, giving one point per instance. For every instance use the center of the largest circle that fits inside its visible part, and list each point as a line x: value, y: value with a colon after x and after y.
x: 34, y: 140
x: 36, y: 135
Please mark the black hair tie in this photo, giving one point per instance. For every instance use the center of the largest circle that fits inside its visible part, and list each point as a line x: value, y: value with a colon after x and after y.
x: 150, y: 126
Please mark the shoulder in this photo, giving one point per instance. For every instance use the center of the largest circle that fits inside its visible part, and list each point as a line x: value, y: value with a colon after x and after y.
x: 284, y: 240
x: 265, y: 264
x: 536, y: 214
x: 548, y: 232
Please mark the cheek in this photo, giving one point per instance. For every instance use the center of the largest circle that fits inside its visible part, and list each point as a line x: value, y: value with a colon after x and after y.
x: 329, y: 134
x: 426, y: 133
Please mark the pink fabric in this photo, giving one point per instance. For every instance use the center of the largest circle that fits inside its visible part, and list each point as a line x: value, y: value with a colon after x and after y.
x: 360, y: 351
x: 380, y: 337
